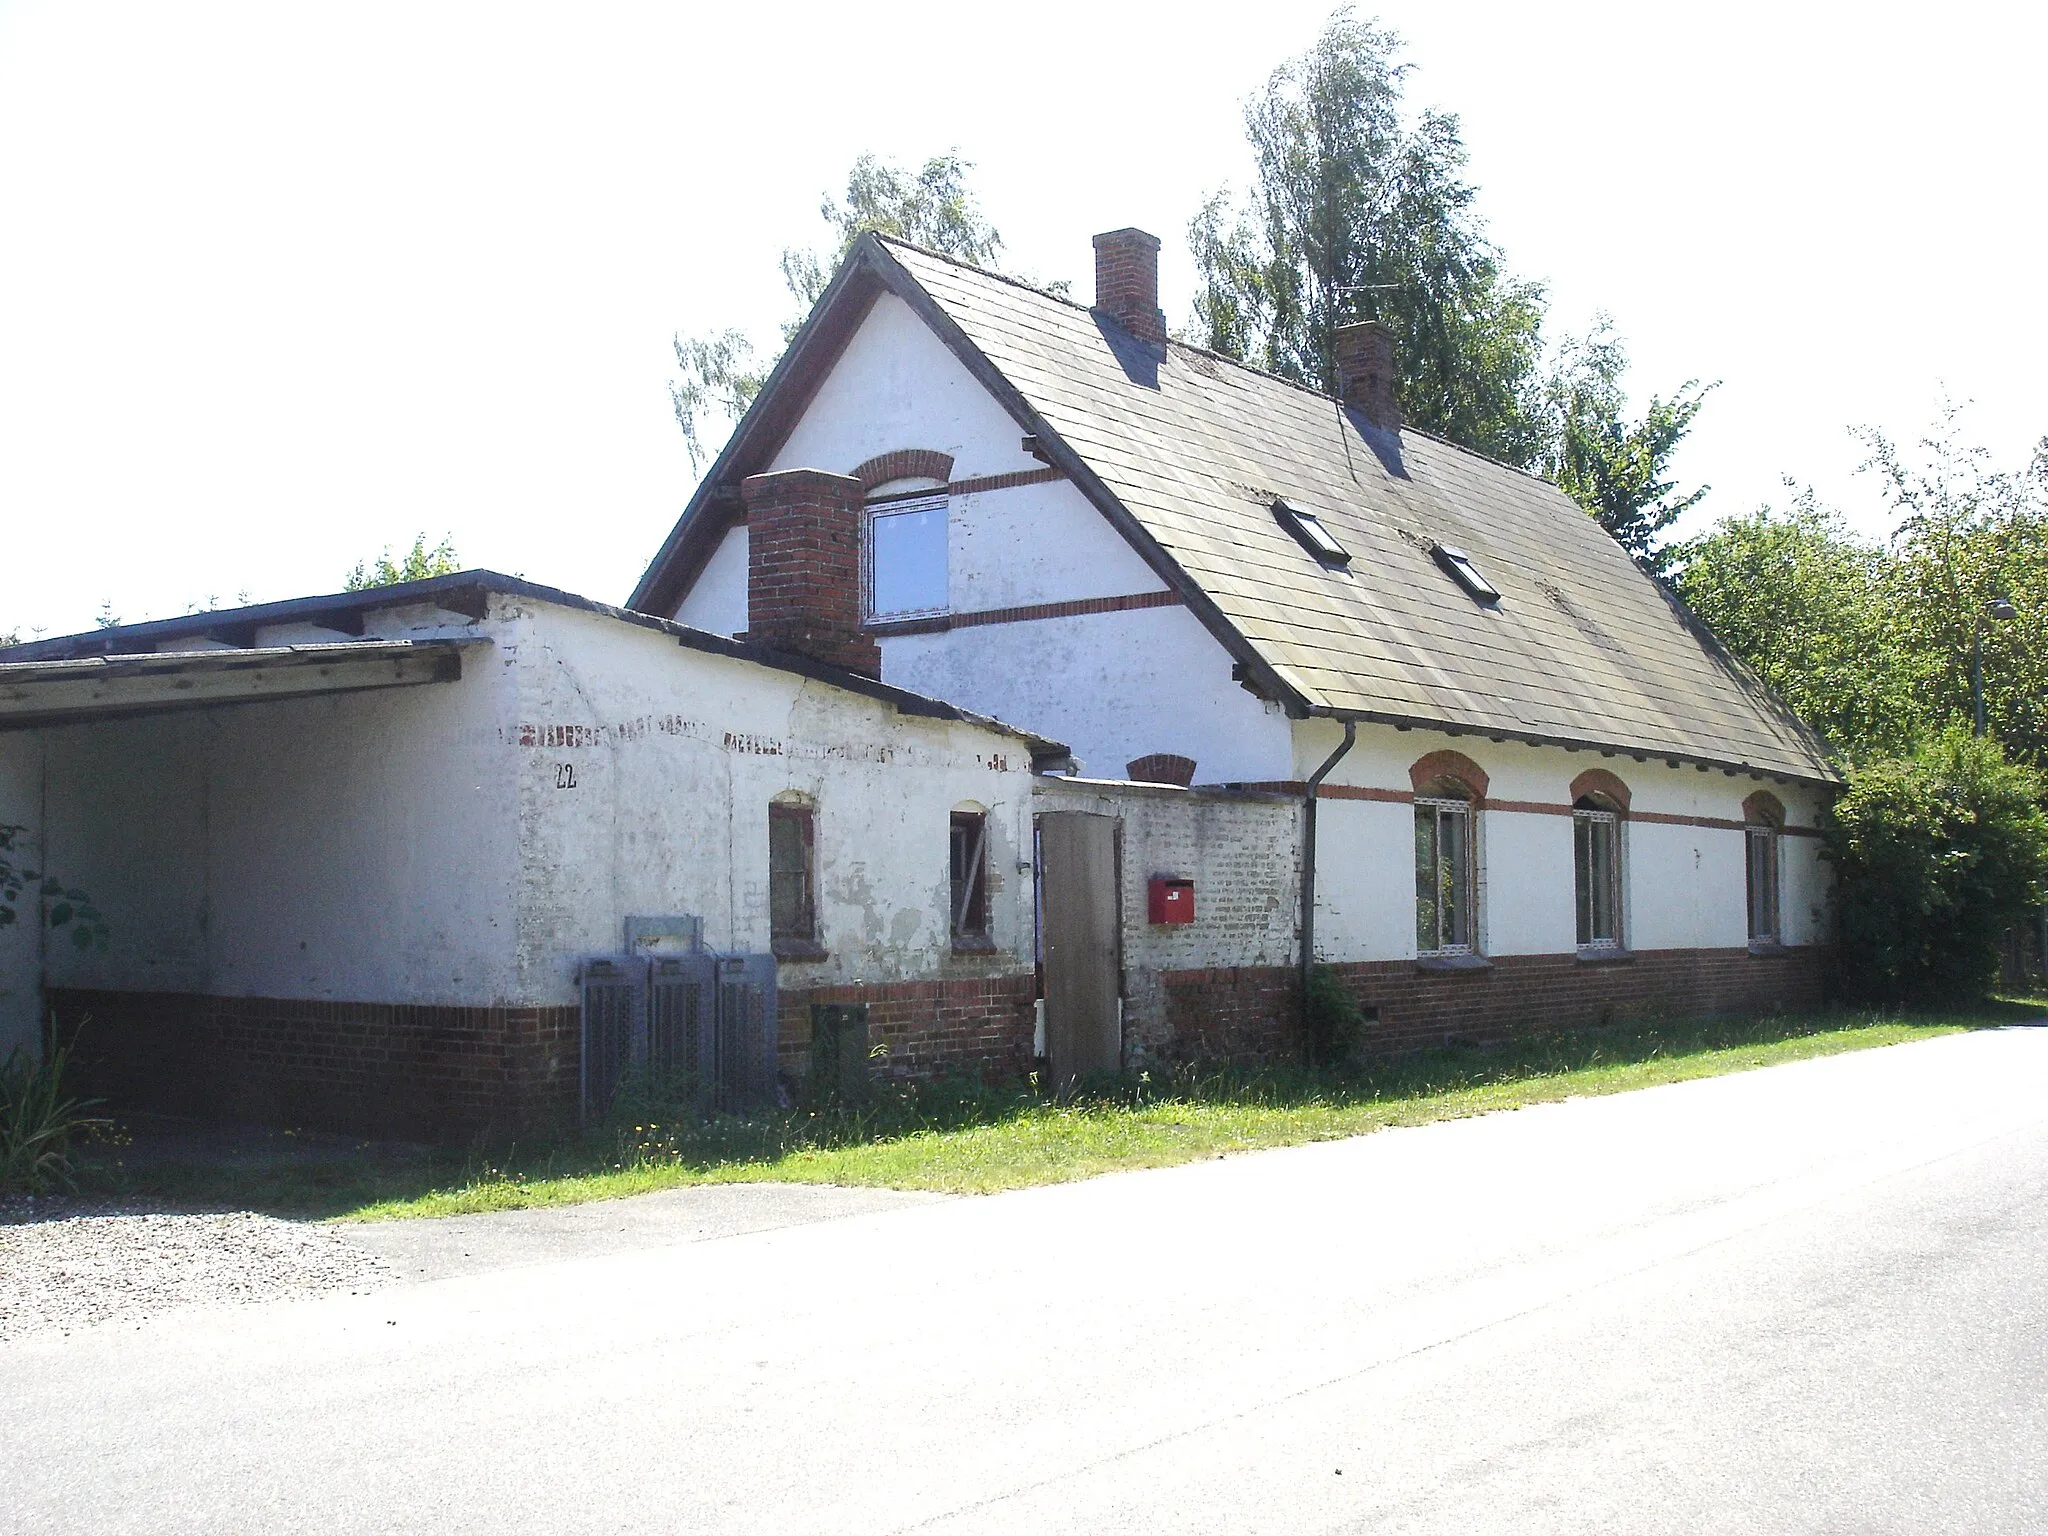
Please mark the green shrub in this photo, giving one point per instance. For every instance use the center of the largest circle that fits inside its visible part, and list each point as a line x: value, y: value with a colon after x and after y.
x: 1334, y: 1018
x: 38, y: 1123
x: 1935, y: 857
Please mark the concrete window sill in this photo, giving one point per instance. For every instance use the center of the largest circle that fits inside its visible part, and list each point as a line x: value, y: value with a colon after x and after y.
x: 1769, y: 951
x: 1612, y: 956
x: 1453, y: 963
x: 973, y: 944
x: 798, y: 950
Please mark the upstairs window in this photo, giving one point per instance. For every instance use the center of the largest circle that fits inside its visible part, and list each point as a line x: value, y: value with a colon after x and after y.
x: 792, y: 880
x: 906, y: 557
x: 1446, y: 886
x: 1596, y: 873
x: 970, y: 880
x: 1308, y: 529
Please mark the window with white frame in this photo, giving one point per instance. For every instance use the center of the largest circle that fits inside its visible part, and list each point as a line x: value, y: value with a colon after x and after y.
x: 1446, y: 871
x: 906, y: 556
x: 1596, y: 872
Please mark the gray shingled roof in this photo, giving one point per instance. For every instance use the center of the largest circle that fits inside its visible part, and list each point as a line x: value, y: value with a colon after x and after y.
x: 1583, y: 647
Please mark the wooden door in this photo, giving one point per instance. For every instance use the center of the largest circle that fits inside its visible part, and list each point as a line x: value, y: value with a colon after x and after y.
x: 1081, y: 954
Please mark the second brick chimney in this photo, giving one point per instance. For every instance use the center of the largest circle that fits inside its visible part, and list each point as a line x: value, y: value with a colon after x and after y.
x: 803, y: 568
x: 1127, y: 282
x: 1365, y: 372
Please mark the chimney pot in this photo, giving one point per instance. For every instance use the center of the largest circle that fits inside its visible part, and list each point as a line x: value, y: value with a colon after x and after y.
x: 1365, y: 372
x: 1127, y: 282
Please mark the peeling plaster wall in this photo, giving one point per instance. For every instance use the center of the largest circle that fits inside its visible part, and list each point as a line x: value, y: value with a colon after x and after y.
x: 644, y: 774
x: 1683, y: 886
x: 1242, y: 850
x: 355, y: 847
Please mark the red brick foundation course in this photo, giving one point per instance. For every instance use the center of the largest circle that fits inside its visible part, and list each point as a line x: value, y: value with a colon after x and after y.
x: 980, y: 1026
x: 425, y: 1073
x: 1250, y: 1013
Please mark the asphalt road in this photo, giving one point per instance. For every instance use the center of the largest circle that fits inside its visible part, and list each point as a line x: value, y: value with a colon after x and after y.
x: 1807, y: 1299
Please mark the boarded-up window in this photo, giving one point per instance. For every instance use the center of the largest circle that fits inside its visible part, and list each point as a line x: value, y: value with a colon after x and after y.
x: 1445, y: 888
x: 792, y: 911
x: 970, y: 877
x: 1596, y: 874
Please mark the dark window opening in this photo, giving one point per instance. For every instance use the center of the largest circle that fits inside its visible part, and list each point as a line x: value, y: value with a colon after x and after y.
x: 1762, y: 870
x: 1308, y: 529
x: 970, y: 879
x: 792, y: 877
x: 1465, y: 573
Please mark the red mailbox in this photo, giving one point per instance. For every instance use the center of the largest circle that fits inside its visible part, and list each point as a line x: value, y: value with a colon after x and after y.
x: 1171, y: 902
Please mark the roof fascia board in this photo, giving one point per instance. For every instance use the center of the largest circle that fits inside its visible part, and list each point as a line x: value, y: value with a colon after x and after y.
x: 1826, y: 777
x: 790, y: 387
x: 1064, y: 458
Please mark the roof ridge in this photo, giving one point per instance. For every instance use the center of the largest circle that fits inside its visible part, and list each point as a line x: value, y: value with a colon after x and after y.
x: 1188, y: 346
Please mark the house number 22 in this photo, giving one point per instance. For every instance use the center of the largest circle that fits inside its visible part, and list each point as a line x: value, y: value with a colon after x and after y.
x: 565, y: 775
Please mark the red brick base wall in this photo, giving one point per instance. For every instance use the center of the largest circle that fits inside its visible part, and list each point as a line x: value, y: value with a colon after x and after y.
x: 378, y: 1069
x: 1250, y: 1013
x: 981, y: 1025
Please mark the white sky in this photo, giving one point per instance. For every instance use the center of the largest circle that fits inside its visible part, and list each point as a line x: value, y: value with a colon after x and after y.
x: 283, y: 284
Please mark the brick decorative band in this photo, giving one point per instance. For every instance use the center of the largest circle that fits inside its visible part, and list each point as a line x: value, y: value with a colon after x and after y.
x: 423, y: 1072
x: 1514, y: 807
x: 1250, y: 1013
x: 1028, y: 613
x: 978, y: 1025
x: 1004, y: 482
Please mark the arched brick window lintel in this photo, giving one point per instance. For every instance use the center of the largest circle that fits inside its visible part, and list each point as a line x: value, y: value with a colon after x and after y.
x: 1448, y: 764
x: 1603, y: 785
x: 905, y: 464
x: 1764, y: 809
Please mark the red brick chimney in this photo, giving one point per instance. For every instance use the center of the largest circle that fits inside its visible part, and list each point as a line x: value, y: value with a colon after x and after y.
x: 1365, y: 372
x: 1127, y: 282
x: 803, y: 568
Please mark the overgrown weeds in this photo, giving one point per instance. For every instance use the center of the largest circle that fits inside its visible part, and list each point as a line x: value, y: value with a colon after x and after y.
x: 40, y: 1123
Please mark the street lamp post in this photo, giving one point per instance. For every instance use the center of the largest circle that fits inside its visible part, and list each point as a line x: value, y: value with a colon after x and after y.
x: 1997, y: 608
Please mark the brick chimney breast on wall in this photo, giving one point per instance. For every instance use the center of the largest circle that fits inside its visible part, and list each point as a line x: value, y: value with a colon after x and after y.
x: 803, y: 568
x: 1365, y: 372
x: 1127, y: 282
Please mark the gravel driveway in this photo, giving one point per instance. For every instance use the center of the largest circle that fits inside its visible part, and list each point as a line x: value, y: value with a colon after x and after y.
x: 66, y: 1266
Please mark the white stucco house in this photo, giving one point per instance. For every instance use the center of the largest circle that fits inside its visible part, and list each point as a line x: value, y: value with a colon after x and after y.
x: 1539, y: 792
x: 1020, y: 688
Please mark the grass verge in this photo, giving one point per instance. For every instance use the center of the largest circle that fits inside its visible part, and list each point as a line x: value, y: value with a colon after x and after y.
x: 967, y: 1138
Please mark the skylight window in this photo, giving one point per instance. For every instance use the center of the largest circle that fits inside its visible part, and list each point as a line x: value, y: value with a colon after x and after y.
x: 1465, y: 573
x: 1309, y: 530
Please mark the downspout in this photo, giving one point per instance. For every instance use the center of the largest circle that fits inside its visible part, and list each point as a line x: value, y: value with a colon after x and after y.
x: 1308, y: 863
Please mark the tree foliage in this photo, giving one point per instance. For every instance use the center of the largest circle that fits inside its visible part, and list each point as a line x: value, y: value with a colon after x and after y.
x: 1807, y: 605
x: 1359, y: 212
x: 720, y: 372
x: 1937, y: 855
x: 1618, y: 470
x: 1968, y: 533
x: 416, y: 564
x: 1873, y: 642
